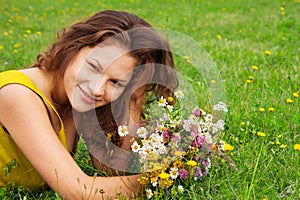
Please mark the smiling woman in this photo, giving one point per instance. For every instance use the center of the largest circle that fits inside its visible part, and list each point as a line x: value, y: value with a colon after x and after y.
x: 112, y: 60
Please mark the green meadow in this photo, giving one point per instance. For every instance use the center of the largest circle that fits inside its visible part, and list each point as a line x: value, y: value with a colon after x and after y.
x: 255, y: 46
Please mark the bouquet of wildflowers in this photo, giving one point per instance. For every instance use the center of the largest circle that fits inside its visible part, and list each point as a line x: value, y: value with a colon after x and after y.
x: 176, y: 147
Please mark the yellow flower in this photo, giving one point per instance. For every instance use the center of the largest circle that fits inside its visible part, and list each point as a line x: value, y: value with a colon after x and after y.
x: 39, y: 33
x: 17, y: 45
x: 5, y: 33
x: 212, y: 81
x: 228, y: 147
x: 281, y: 8
x: 297, y: 147
x: 254, y: 67
x: 289, y: 101
x: 28, y: 31
x: 279, y: 136
x: 268, y: 53
x: 278, y: 143
x: 296, y: 94
x: 170, y: 99
x: 261, y: 134
x: 164, y: 175
x: 143, y: 180
x: 283, y: 146
x: 261, y: 109
x: 243, y: 123
x: 249, y: 81
x: 192, y: 163
x: 1, y: 47
x: 219, y: 37
x: 271, y: 109
x: 250, y: 77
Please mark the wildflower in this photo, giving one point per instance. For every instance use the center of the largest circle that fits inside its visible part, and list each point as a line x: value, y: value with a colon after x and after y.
x: 197, y: 172
x: 219, y: 37
x: 174, y: 172
x: 197, y: 112
x: 297, y: 147
x: 192, y: 163
x: 261, y: 109
x: 28, y: 31
x: 281, y: 8
x: 271, y: 109
x: 279, y: 136
x: 39, y: 33
x: 142, y: 132
x: 170, y: 99
x: 179, y: 94
x: 261, y: 134
x: 183, y: 174
x: 123, y: 130
x: 250, y: 77
x: 254, y: 67
x: 296, y: 94
x: 154, y: 181
x: 283, y: 146
x: 228, y: 147
x: 17, y: 45
x: 220, y: 106
x: 289, y: 101
x: 249, y: 81
x: 170, y: 108
x: 15, y: 51
x: 180, y: 189
x: 162, y: 102
x: 5, y: 33
x: 108, y: 136
x: 135, y: 146
x: 1, y: 47
x: 149, y: 193
x: 164, y: 175
x: 268, y: 53
x: 213, y: 81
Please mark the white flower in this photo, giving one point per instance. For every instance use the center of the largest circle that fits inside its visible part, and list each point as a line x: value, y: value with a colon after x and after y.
x: 154, y: 181
x: 179, y: 94
x: 135, y: 146
x: 142, y: 132
x: 170, y: 108
x: 122, y: 130
x: 174, y: 172
x: 149, y: 193
x: 162, y: 102
x: 180, y: 188
x: 220, y: 106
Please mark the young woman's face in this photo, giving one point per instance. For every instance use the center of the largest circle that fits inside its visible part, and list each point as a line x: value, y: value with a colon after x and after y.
x: 97, y: 76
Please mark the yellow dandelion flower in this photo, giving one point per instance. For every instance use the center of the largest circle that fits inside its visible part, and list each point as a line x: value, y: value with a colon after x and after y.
x: 277, y: 142
x: 28, y: 31
x: 250, y: 77
x: 260, y: 134
x: 297, y: 147
x: 192, y: 163
x: 170, y: 99
x: 296, y: 94
x: 5, y: 33
x: 254, y: 67
x: 219, y: 37
x: 283, y: 146
x: 15, y: 51
x: 206, y: 33
x: 25, y: 35
x: 17, y: 45
x: 289, y: 101
x: 268, y: 53
x: 281, y: 8
x: 39, y: 33
x: 213, y: 81
x: 223, y: 160
x: 243, y: 123
x: 262, y: 109
x: 164, y: 175
x: 228, y: 147
x: 1, y: 47
x: 271, y: 109
x: 249, y: 81
x: 279, y: 136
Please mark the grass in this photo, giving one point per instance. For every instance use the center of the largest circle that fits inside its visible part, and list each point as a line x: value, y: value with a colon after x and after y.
x: 235, y: 34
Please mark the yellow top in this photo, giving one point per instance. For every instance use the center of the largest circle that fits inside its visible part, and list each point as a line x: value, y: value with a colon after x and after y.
x: 14, y: 166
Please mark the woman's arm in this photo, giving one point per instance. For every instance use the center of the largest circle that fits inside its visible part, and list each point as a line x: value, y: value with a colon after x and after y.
x: 24, y: 115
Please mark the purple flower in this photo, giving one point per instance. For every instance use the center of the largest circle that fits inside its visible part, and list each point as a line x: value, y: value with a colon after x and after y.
x: 183, y: 174
x: 197, y: 172
x: 206, y: 163
x: 194, y: 130
x: 165, y: 117
x: 197, y: 112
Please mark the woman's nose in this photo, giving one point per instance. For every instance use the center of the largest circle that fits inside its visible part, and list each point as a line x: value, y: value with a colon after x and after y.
x: 99, y: 88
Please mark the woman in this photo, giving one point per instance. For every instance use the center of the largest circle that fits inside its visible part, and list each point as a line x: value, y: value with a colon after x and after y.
x: 112, y: 59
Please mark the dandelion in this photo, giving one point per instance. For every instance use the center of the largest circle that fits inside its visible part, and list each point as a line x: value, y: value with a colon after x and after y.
x: 289, y: 101
x: 296, y: 94
x: 28, y: 31
x: 192, y: 163
x: 1, y: 47
x: 135, y: 146
x: 179, y: 94
x: 261, y: 134
x: 213, y: 81
x: 228, y: 147
x: 281, y: 8
x: 268, y: 53
x: 5, y: 33
x: 249, y: 81
x: 15, y: 51
x: 162, y: 102
x: 271, y: 109
x: 254, y: 67
x: 142, y: 132
x: 261, y: 109
x: 283, y: 146
x: 164, y: 175
x: 219, y: 37
x: 174, y: 172
x: 122, y: 130
x: 149, y: 193
x: 39, y: 33
x: 297, y: 147
x: 180, y: 189
x: 17, y: 45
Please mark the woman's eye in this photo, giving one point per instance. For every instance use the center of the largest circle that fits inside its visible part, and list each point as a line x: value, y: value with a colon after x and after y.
x: 94, y: 67
x: 117, y: 83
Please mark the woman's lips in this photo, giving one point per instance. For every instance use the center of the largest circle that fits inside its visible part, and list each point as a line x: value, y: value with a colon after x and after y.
x: 86, y: 97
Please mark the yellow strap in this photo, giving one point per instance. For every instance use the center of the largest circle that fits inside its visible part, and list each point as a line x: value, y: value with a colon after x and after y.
x: 17, y: 77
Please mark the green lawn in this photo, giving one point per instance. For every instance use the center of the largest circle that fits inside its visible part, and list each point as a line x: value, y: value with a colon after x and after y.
x: 236, y: 34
